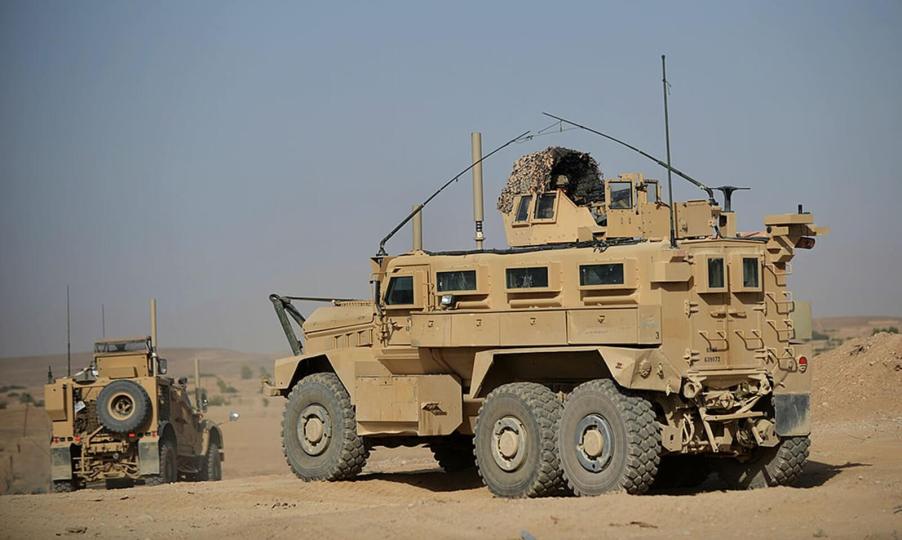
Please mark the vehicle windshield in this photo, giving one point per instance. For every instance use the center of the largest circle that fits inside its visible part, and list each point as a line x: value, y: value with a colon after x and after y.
x: 132, y: 345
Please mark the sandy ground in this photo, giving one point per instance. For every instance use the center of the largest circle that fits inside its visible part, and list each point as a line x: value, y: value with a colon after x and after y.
x: 851, y: 488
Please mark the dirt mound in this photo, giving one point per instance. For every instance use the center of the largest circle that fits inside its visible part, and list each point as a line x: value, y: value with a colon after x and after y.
x: 574, y: 171
x: 860, y: 379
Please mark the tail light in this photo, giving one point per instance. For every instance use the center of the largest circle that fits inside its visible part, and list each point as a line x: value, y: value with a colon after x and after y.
x: 803, y: 364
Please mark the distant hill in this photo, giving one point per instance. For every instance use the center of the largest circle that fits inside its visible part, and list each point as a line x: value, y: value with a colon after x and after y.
x: 851, y: 327
x: 31, y: 371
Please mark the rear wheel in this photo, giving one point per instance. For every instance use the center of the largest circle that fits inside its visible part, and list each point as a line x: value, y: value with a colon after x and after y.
x: 609, y: 440
x: 169, y: 469
x: 777, y: 466
x: 515, y: 450
x: 454, y: 453
x: 64, y: 486
x: 319, y: 430
x: 681, y: 472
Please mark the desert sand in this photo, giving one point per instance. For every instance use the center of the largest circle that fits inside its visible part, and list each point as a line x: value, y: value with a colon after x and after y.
x: 851, y: 488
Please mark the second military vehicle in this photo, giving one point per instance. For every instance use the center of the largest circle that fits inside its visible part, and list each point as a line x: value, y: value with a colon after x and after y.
x: 620, y: 341
x: 121, y: 419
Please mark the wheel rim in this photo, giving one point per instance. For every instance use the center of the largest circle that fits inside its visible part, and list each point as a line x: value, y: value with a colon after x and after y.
x: 594, y: 442
x: 509, y: 443
x: 314, y: 429
x: 121, y: 406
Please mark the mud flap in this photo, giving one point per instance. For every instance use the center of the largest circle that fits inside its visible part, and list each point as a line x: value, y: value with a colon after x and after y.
x: 149, y: 457
x: 792, y: 414
x: 61, y: 463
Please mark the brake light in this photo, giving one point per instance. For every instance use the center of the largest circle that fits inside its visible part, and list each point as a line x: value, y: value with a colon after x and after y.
x: 803, y: 364
x: 131, y: 435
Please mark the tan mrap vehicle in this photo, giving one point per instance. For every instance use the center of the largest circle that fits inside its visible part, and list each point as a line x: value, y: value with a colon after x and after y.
x: 121, y: 419
x: 596, y: 354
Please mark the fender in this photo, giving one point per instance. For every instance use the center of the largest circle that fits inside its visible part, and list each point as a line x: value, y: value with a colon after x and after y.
x: 288, y: 371
x: 149, y: 449
x: 211, y: 432
x: 633, y: 368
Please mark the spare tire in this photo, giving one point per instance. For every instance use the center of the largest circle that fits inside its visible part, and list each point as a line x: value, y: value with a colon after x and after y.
x: 122, y: 406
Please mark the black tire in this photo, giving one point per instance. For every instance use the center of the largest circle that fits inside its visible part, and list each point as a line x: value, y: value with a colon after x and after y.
x: 681, y: 472
x: 64, y: 486
x: 123, y: 406
x: 339, y: 453
x: 627, y: 440
x: 169, y: 468
x: 780, y: 465
x: 454, y: 453
x: 527, y: 413
x: 211, y: 468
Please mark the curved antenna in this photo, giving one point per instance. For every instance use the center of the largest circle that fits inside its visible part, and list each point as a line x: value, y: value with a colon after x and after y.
x: 693, y: 181
x: 417, y: 208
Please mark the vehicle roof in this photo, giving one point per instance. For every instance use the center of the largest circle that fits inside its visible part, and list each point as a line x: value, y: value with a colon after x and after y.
x: 133, y: 339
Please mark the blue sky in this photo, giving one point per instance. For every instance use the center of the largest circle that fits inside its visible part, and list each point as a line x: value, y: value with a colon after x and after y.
x: 209, y: 153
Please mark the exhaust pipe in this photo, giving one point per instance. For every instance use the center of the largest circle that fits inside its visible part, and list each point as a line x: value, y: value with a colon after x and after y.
x: 153, y: 336
x: 478, y: 207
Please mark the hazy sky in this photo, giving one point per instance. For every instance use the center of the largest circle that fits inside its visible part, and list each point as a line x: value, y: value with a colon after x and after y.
x: 209, y: 153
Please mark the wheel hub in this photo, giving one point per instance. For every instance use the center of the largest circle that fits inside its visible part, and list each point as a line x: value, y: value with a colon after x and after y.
x: 121, y: 406
x: 593, y: 442
x: 314, y: 429
x: 509, y: 443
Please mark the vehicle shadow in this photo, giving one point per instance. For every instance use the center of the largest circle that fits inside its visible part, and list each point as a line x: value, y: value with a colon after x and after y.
x: 815, y: 474
x: 432, y: 479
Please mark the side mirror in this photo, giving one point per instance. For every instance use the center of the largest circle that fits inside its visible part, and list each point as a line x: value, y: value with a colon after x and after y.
x: 162, y: 366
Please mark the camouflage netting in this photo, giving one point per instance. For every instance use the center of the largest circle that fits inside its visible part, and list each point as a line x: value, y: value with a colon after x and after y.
x: 577, y: 173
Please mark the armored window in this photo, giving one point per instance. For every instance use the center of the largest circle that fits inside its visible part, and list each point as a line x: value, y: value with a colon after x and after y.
x: 621, y: 195
x: 523, y: 208
x: 651, y: 190
x: 459, y: 280
x: 545, y: 206
x: 527, y: 278
x: 715, y: 273
x: 400, y: 291
x: 601, y: 274
x: 750, y: 273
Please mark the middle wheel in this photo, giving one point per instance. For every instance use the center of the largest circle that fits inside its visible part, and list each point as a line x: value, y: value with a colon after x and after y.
x: 515, y: 441
x: 609, y: 440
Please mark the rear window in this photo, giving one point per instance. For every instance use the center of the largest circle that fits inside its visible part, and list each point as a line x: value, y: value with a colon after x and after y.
x: 459, y: 280
x: 527, y: 278
x: 601, y: 274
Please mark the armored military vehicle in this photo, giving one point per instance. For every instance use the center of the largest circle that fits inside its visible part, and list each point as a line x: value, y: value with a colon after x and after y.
x: 122, y: 420
x: 620, y: 341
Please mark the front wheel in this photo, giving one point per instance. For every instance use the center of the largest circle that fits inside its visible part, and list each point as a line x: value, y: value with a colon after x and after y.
x: 777, y: 466
x: 211, y: 467
x: 319, y: 430
x: 609, y: 440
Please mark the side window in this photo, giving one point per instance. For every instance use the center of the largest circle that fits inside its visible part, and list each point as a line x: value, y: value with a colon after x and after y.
x: 750, y: 278
x: 715, y: 273
x: 459, y: 280
x: 523, y: 208
x: 651, y: 190
x: 545, y: 206
x: 400, y: 291
x: 527, y: 278
x: 601, y: 274
x: 621, y: 195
